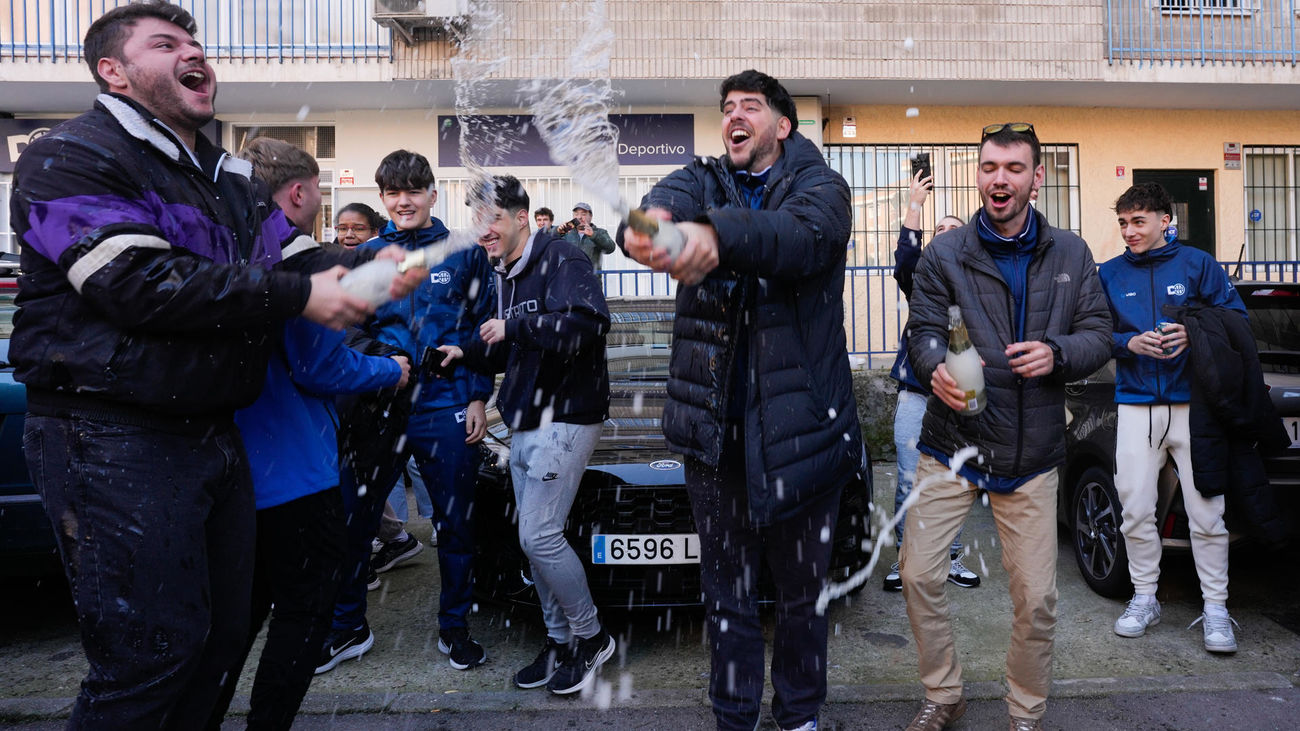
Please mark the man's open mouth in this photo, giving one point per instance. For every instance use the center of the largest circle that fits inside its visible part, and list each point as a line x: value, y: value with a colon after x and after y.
x: 739, y: 135
x: 193, y: 80
x: 1000, y: 197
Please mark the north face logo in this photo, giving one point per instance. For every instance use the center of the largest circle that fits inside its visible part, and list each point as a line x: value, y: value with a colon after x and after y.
x: 1177, y: 290
x: 1062, y: 278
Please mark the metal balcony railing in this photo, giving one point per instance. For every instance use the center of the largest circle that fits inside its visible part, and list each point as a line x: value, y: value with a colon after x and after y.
x: 874, y: 311
x: 1150, y: 32
x: 256, y: 30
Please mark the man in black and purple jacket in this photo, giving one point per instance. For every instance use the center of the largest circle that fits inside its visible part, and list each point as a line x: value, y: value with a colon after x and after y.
x: 157, y: 274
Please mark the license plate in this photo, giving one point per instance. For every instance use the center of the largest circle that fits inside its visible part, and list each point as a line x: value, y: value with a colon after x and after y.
x: 645, y: 549
x: 1292, y: 424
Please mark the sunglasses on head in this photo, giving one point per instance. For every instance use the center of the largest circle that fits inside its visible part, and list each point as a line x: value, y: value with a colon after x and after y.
x: 1017, y: 127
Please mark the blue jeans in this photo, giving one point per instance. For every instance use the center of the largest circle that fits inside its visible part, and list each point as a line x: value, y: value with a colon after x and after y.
x: 450, y: 467
x: 156, y: 534
x: 907, y: 432
x: 731, y: 553
x: 423, y: 503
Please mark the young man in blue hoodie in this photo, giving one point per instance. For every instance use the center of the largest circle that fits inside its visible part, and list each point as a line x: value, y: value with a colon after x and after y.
x: 548, y: 337
x: 448, y: 414
x: 1152, y: 393
x: 289, y: 433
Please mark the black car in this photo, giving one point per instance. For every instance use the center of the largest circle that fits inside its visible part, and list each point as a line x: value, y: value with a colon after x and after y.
x: 1089, y: 506
x: 26, y: 541
x: 631, y: 521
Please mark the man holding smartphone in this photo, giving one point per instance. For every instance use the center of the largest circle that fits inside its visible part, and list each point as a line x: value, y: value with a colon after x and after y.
x: 591, y: 240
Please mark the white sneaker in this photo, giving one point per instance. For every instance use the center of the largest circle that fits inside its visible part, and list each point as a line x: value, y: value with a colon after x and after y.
x: 809, y: 726
x: 1217, y: 626
x: 1143, y: 611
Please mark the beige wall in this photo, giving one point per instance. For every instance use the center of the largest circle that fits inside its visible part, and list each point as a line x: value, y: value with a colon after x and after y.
x: 1133, y: 138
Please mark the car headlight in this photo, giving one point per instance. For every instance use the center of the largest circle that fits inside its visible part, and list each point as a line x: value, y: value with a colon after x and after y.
x: 497, y: 455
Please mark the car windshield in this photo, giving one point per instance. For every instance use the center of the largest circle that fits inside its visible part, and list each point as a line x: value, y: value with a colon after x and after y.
x: 639, y: 342
x: 1275, y: 320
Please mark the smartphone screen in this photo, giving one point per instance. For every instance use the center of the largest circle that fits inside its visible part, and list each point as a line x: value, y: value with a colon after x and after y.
x: 921, y: 163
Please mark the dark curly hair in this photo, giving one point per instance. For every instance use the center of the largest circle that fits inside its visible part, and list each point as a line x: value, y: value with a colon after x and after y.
x: 1145, y: 197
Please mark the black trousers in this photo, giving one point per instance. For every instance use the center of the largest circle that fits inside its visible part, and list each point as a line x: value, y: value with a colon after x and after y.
x: 156, y: 532
x: 298, y: 568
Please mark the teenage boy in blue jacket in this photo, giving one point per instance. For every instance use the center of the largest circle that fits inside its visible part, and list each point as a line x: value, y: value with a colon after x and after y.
x: 548, y: 337
x: 447, y: 418
x: 1152, y: 391
x: 289, y: 433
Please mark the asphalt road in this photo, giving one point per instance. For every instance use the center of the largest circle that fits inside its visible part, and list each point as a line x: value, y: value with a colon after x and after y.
x: 657, y: 678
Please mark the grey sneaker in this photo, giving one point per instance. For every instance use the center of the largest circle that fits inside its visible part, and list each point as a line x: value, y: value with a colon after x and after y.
x: 960, y: 575
x: 1142, y: 612
x: 1217, y: 626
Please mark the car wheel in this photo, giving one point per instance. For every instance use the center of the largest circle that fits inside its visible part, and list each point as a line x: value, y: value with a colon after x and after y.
x: 1098, y: 543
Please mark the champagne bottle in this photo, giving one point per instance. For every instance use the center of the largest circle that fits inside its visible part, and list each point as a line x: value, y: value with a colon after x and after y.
x: 963, y: 362
x: 664, y: 233
x: 371, y: 280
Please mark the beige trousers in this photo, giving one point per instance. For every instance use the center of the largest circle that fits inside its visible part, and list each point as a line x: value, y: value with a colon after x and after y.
x: 1026, y: 523
x: 1145, y: 437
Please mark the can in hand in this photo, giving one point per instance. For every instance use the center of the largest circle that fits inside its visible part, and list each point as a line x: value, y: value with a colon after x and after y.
x: 1160, y: 330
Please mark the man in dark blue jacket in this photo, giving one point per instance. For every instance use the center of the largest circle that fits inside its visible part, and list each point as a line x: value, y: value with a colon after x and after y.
x: 548, y: 337
x: 157, y: 274
x: 760, y: 398
x: 1153, y: 391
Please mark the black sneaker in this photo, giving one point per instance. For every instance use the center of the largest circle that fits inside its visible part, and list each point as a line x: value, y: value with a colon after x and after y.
x: 396, y: 552
x: 539, y: 672
x: 577, y: 670
x: 462, y: 651
x: 372, y: 581
x: 892, y: 580
x: 345, y: 645
x: 960, y: 575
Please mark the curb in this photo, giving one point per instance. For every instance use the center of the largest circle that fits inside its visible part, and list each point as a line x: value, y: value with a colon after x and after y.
x: 606, y: 696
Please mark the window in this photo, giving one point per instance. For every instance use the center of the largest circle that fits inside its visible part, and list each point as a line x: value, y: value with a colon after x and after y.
x: 1272, y: 194
x: 879, y: 176
x: 1224, y: 7
x: 317, y: 141
x: 8, y: 242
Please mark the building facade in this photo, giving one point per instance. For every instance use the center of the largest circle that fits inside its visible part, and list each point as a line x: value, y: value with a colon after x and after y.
x: 1201, y: 95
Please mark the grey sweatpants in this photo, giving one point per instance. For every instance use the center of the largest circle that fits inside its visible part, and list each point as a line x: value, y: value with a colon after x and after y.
x: 546, y: 465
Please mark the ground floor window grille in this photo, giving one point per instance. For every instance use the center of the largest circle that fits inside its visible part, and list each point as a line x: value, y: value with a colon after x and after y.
x: 1272, y: 198
x: 879, y: 176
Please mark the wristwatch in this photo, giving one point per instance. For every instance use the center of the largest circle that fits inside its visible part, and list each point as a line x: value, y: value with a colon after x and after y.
x: 1058, y: 360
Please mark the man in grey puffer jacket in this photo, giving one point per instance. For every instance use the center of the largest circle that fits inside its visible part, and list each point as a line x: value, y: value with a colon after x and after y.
x: 1036, y: 313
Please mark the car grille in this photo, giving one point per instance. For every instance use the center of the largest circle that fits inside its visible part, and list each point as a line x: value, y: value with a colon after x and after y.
x: 625, y: 509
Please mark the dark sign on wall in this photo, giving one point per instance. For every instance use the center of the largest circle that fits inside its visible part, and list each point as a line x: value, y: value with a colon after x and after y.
x: 513, y: 140
x: 16, y: 134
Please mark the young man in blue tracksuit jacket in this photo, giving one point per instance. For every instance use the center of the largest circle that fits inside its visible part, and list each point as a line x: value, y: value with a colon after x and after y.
x: 448, y: 416
x: 1152, y: 390
x: 289, y: 433
x: 548, y: 337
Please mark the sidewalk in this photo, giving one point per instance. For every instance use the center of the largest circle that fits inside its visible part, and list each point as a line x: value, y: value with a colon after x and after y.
x: 662, y: 662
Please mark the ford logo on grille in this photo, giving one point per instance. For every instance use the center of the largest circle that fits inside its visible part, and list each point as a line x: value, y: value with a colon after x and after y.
x: 665, y: 464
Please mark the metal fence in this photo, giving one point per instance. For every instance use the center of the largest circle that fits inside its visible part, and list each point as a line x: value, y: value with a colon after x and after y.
x: 874, y: 310
x: 1149, y: 32
x: 266, y: 30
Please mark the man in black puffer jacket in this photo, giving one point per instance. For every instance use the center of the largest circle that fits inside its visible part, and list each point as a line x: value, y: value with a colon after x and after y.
x: 760, y: 395
x: 1036, y: 313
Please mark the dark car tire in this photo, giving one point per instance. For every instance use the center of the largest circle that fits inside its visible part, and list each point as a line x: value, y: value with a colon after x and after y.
x: 1095, y: 517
